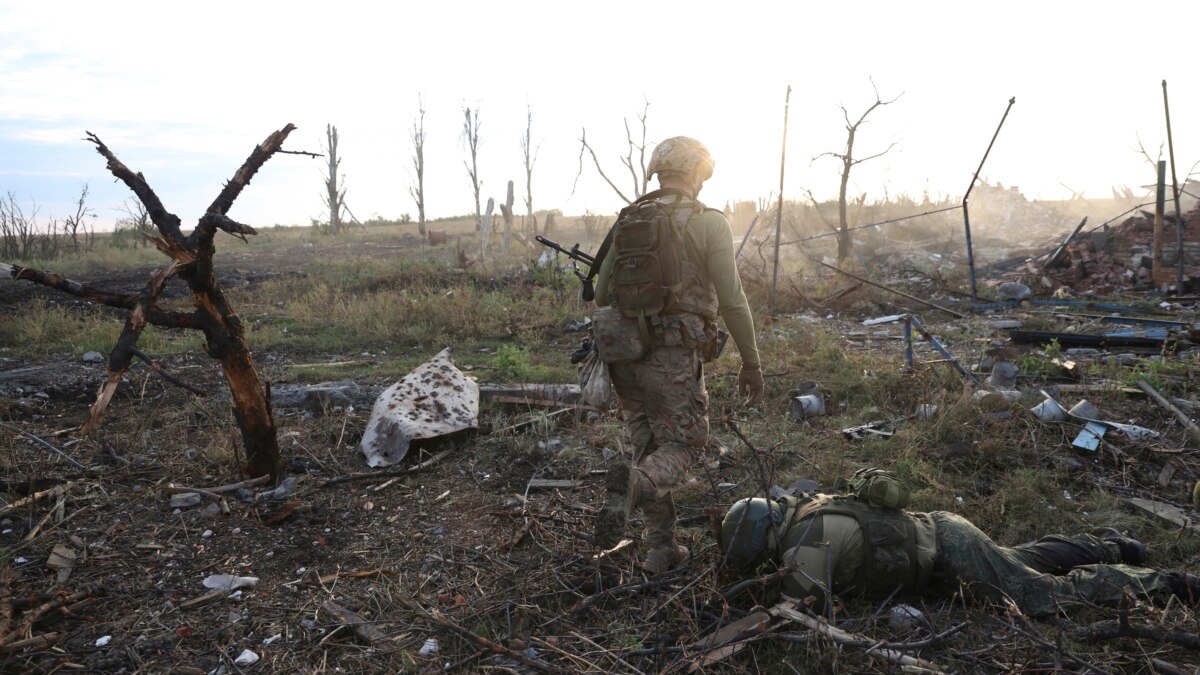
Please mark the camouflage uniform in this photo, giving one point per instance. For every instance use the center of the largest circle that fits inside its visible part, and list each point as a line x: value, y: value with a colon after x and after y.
x: 1036, y: 576
x: 991, y: 572
x: 665, y: 408
x: 663, y: 399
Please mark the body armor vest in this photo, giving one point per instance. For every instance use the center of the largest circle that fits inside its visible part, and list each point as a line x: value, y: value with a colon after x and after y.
x: 889, y: 542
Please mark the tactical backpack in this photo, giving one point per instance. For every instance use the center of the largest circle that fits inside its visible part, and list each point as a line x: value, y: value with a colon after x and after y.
x: 648, y: 242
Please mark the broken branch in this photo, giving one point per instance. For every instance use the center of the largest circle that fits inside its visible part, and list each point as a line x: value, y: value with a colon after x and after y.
x: 1192, y: 429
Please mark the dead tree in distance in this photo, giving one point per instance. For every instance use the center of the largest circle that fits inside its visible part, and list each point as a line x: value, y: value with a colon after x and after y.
x: 507, y: 212
x: 418, y: 159
x: 471, y: 137
x: 637, y: 170
x: 191, y: 260
x: 848, y: 163
x: 335, y: 191
x: 530, y: 155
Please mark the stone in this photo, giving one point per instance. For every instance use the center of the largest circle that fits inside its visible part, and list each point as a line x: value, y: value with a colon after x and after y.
x: 185, y: 500
x: 317, y: 398
x: 93, y: 357
x: 1011, y: 290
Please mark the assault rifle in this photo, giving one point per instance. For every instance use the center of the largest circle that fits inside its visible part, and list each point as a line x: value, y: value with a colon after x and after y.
x: 589, y: 292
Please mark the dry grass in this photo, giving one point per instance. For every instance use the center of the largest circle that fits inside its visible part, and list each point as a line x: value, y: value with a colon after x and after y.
x: 467, y: 539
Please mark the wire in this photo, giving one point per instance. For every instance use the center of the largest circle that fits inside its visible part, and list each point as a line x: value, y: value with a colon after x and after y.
x: 882, y: 222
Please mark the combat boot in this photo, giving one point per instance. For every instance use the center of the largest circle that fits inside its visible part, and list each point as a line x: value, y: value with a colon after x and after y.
x: 624, y: 489
x: 659, y: 560
x: 663, y: 552
x: 1133, y: 552
x: 1186, y: 587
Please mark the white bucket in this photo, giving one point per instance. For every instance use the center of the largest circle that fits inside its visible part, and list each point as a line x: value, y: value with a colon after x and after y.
x: 809, y: 405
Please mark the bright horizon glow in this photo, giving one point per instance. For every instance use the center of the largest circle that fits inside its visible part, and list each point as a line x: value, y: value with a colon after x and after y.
x: 182, y: 93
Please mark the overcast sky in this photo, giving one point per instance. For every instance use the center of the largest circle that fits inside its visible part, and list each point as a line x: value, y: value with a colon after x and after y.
x: 183, y: 92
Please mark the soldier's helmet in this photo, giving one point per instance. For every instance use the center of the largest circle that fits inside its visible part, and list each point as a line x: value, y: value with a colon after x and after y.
x: 749, y: 533
x: 682, y: 155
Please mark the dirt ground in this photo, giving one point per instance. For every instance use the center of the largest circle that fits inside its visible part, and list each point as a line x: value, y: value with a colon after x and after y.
x: 456, y: 563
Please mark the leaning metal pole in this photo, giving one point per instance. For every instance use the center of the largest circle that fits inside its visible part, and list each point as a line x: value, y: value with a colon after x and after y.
x: 966, y: 213
x: 779, y: 215
x: 1175, y: 187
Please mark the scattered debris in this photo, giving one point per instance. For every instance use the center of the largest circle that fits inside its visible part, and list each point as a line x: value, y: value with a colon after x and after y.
x: 246, y: 658
x: 365, y: 630
x: 808, y: 405
x: 317, y: 398
x: 228, y: 582
x: 1089, y: 437
x: 62, y: 560
x: 1168, y: 512
x: 552, y: 484
x: 434, y: 400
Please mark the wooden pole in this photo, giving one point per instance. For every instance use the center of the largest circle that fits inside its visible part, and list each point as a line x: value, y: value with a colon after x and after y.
x: 779, y: 215
x: 1175, y: 188
x: 1159, y: 207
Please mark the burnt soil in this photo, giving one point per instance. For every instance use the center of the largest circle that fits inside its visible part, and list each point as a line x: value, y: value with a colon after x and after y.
x: 457, y: 548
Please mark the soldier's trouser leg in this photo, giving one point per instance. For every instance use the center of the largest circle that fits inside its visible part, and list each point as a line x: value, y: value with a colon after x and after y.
x: 665, y: 407
x: 992, y: 572
x: 1059, y: 554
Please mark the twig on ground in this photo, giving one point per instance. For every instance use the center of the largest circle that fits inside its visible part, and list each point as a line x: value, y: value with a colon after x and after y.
x: 386, y: 474
x: 47, y: 445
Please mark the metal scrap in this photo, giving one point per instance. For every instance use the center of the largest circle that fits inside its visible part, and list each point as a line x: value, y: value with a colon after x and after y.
x: 434, y: 400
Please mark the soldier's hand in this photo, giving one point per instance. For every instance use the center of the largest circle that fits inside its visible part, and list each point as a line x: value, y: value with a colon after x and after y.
x: 751, y: 383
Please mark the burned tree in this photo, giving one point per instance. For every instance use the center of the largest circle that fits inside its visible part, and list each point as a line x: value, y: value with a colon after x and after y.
x: 471, y: 137
x: 507, y: 212
x: 530, y: 155
x: 637, y: 169
x: 335, y: 192
x: 418, y: 159
x: 849, y: 162
x: 191, y: 260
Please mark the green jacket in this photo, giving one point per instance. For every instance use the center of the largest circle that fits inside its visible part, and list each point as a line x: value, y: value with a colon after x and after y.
x: 709, y: 234
x: 901, y: 552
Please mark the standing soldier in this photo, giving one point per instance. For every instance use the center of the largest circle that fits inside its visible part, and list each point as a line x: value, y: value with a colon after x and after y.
x: 669, y: 273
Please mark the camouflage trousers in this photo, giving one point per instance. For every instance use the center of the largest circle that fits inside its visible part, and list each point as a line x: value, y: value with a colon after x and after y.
x: 988, y: 571
x: 665, y: 409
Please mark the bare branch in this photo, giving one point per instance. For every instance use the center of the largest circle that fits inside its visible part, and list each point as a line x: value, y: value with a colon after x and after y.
x: 166, y: 222
x: 584, y: 146
x: 158, y: 368
x: 259, y: 156
x: 878, y: 154
x: 123, y: 352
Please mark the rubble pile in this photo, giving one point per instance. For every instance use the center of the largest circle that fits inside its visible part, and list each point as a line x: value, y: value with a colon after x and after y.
x: 1114, y: 259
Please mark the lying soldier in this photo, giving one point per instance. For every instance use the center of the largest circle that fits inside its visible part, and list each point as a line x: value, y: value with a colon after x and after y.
x: 872, y: 548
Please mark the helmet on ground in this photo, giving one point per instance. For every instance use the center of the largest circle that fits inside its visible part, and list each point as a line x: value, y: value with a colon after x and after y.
x: 749, y: 533
x: 682, y: 155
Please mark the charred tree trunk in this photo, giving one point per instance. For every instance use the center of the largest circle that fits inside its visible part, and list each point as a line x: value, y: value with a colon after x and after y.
x: 507, y: 212
x: 191, y: 260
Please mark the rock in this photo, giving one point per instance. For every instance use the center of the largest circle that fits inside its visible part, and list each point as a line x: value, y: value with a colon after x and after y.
x: 905, y: 618
x: 1004, y: 375
x: 1005, y: 324
x: 246, y: 658
x: 185, y: 500
x: 608, y: 453
x: 552, y: 445
x: 93, y: 357
x: 1011, y: 290
x: 317, y: 398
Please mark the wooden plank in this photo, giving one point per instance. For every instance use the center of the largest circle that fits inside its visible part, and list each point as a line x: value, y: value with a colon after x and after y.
x: 1168, y: 512
x: 553, y: 484
x: 746, y: 626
